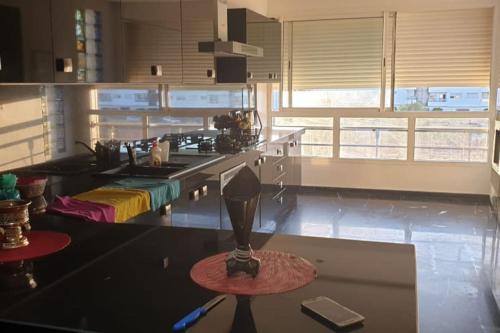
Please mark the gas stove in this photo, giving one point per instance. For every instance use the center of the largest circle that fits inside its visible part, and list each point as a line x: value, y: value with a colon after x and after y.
x: 211, y: 141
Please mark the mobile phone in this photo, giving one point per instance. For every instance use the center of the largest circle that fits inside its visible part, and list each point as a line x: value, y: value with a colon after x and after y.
x: 331, y: 311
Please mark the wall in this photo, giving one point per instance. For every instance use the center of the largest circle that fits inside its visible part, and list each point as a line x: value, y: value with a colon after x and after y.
x: 21, y: 131
x: 259, y: 6
x: 392, y: 175
x: 317, y: 9
x: 23, y: 138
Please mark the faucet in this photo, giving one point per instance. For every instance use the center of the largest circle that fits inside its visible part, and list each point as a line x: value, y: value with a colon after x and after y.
x: 132, y: 156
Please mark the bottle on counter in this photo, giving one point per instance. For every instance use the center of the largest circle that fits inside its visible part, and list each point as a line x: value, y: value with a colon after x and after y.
x: 156, y: 155
x: 165, y: 150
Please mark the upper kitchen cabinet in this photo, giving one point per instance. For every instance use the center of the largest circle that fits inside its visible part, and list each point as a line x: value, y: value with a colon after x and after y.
x: 25, y: 41
x: 265, y: 33
x: 152, y: 41
x: 87, y: 41
x: 199, y: 24
x: 253, y: 30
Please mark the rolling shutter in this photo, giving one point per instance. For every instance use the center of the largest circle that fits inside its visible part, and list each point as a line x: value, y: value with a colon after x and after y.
x: 443, y: 48
x: 337, y: 54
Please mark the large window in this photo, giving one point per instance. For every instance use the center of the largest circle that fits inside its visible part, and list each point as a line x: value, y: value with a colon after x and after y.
x: 373, y: 138
x: 443, y: 60
x: 451, y: 139
x: 148, y: 111
x: 334, y: 63
x: 438, y: 61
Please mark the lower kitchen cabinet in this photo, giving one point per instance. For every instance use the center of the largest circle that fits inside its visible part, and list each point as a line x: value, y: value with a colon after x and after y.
x: 201, y: 203
x: 276, y: 164
x: 198, y: 206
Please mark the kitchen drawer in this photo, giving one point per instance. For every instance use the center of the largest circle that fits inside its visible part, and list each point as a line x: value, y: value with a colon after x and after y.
x: 275, y: 149
x: 279, y: 185
x: 279, y: 168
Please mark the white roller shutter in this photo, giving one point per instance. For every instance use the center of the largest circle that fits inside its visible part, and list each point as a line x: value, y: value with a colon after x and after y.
x: 337, y: 54
x: 444, y: 48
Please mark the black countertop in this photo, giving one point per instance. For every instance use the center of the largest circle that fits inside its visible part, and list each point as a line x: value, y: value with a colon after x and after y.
x: 131, y: 278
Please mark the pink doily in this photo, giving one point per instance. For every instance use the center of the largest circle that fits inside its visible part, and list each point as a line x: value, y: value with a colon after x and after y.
x: 42, y: 243
x: 279, y: 272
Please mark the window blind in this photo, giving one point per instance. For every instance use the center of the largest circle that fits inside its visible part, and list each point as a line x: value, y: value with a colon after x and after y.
x: 443, y: 48
x: 336, y: 54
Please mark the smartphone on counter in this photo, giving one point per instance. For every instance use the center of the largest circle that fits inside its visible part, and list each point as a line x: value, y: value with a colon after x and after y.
x: 331, y: 311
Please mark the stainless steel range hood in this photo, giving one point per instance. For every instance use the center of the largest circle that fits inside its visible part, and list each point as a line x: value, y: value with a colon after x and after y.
x: 230, y: 49
x: 220, y: 46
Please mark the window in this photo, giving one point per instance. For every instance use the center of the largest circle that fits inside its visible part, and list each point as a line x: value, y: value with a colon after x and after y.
x: 334, y: 63
x: 318, y: 138
x: 275, y: 97
x: 451, y: 139
x: 160, y: 125
x: 139, y: 111
x: 88, y: 30
x: 132, y: 99
x: 120, y: 128
x: 374, y: 138
x: 218, y: 98
x: 498, y: 101
x: 441, y: 57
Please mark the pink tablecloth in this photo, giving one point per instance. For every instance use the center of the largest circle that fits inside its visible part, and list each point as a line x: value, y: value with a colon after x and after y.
x: 82, y: 209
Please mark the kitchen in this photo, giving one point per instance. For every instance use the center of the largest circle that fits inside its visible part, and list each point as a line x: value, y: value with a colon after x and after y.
x: 368, y: 126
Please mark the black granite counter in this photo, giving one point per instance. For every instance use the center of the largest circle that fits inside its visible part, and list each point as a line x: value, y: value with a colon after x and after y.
x: 136, y: 279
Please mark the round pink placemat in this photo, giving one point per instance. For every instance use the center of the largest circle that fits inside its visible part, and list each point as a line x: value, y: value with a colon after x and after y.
x: 42, y: 243
x: 279, y: 272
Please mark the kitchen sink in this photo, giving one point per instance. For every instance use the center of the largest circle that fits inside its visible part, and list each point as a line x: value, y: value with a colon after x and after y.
x: 145, y: 170
x: 178, y: 166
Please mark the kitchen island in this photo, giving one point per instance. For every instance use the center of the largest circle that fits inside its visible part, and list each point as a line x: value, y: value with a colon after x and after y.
x: 132, y: 278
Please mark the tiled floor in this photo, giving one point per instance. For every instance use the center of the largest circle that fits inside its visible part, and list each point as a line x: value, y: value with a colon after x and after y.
x: 453, y: 236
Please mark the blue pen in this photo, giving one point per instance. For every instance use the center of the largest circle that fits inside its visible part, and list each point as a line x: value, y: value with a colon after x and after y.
x: 197, y: 313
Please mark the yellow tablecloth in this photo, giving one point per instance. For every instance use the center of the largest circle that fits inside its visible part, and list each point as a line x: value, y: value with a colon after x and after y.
x: 128, y: 203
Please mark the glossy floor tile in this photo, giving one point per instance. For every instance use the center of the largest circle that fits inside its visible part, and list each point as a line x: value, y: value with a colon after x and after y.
x: 454, y: 236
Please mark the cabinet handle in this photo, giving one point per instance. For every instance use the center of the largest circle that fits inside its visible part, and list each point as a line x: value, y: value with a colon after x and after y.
x: 280, y: 168
x: 279, y: 151
x: 260, y: 161
x: 249, y: 75
x: 271, y: 75
x: 194, y: 195
x: 203, y: 190
x: 211, y: 73
x: 64, y: 65
x: 156, y: 70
